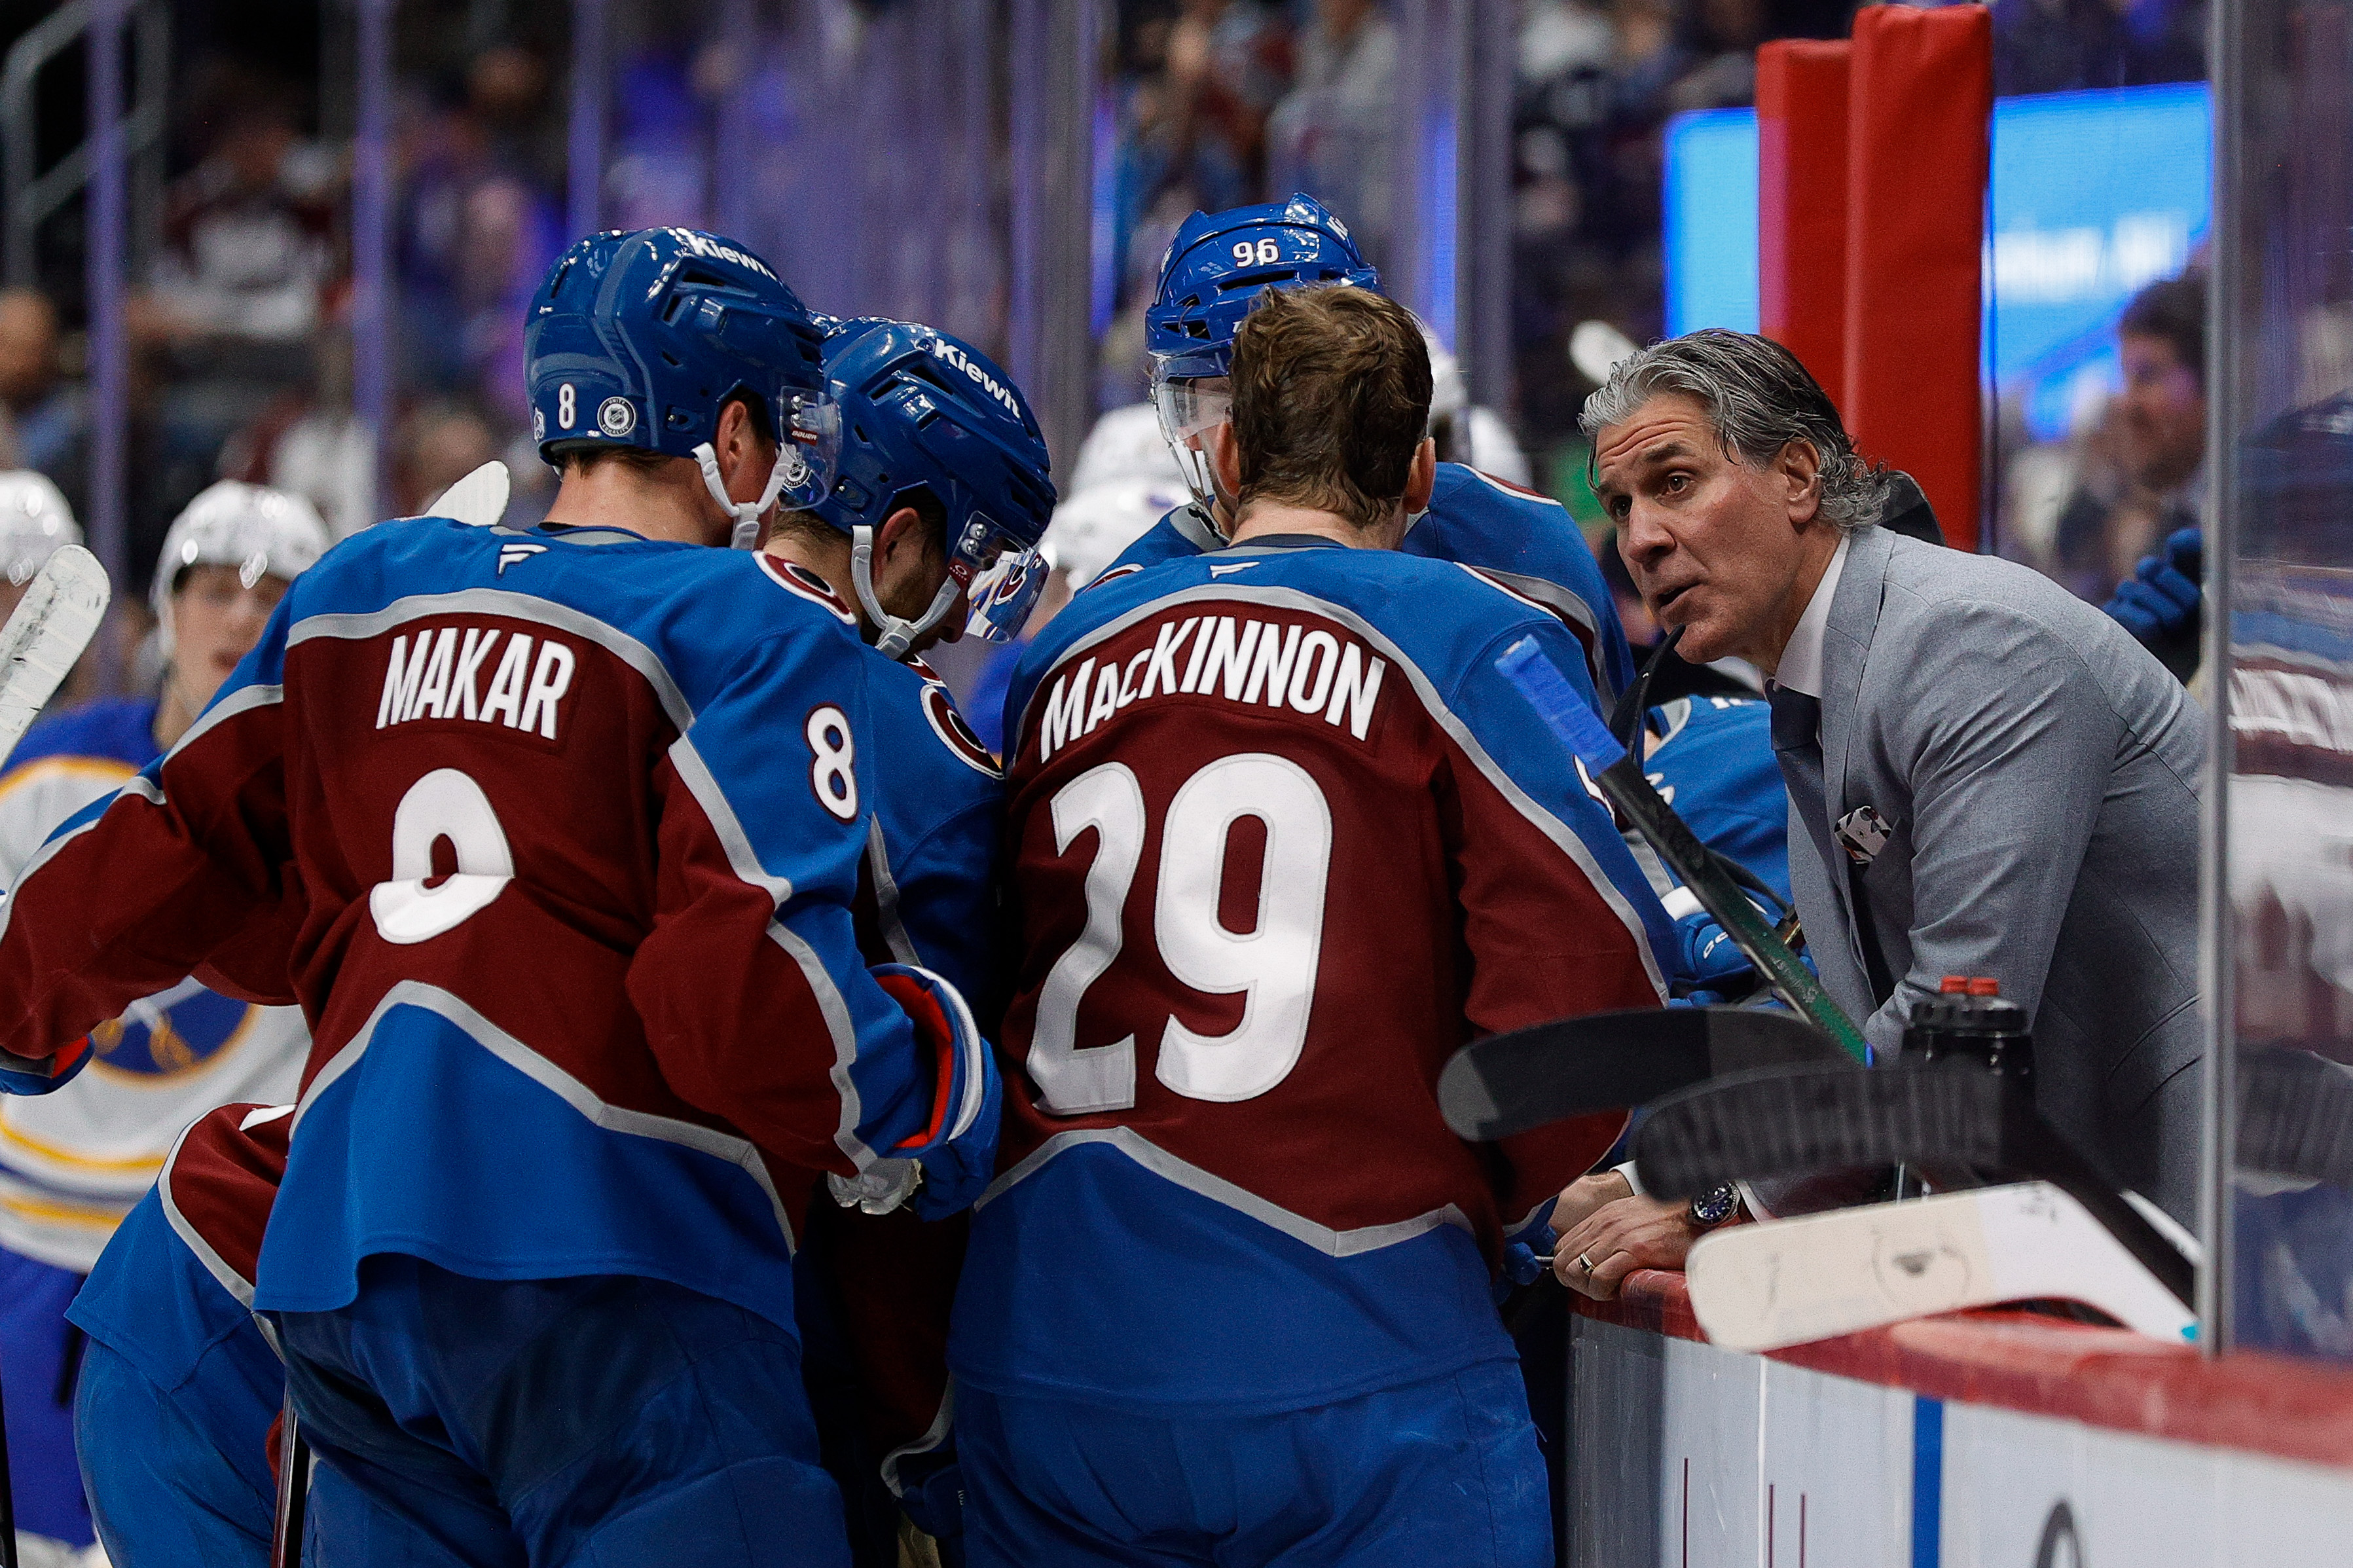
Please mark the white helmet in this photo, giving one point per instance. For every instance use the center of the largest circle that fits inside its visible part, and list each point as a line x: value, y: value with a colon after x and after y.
x: 1449, y: 394
x: 266, y: 532
x: 1126, y: 442
x: 34, y: 521
x: 1091, y: 529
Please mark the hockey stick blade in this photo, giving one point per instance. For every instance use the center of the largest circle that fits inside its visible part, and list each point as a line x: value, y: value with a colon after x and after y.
x: 1508, y: 1084
x: 1789, y: 1121
x: 1619, y: 776
x: 479, y: 499
x: 1786, y: 1282
x: 52, y: 624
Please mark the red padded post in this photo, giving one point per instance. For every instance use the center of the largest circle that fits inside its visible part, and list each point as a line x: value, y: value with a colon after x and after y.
x: 1919, y: 137
x: 1801, y: 170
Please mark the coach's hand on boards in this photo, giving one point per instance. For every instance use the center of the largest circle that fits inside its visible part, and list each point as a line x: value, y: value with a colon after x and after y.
x: 1594, y: 1256
x: 43, y: 1075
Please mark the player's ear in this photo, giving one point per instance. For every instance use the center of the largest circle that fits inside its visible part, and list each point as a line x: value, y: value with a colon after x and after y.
x: 1423, y: 477
x: 902, y: 530
x: 1225, y: 459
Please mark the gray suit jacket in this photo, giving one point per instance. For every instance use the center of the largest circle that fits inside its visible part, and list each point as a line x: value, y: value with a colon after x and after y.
x: 2042, y: 771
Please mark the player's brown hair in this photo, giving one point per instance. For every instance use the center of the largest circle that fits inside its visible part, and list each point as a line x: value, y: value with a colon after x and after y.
x: 1331, y: 400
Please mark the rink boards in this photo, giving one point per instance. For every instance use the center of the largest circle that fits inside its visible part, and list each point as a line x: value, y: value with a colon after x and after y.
x: 1971, y: 1442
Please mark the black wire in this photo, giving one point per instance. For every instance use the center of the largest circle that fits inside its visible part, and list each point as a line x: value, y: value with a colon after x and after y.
x: 1626, y: 719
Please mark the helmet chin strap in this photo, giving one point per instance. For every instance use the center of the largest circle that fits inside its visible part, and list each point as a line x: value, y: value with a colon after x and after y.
x: 898, y: 636
x: 790, y: 469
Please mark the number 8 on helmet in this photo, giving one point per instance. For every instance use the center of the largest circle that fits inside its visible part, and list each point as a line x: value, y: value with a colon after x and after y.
x: 639, y: 339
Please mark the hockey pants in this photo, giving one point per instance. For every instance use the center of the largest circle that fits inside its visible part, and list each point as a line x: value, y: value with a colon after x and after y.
x: 605, y: 1420
x: 1441, y: 1472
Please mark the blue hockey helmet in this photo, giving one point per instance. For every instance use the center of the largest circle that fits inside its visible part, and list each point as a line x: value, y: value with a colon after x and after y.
x: 1218, y: 263
x: 638, y: 340
x: 1216, y: 269
x: 921, y: 409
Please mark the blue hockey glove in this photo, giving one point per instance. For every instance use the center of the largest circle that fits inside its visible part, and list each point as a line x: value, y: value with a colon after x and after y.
x: 21, y: 1075
x: 1706, y: 958
x: 958, y: 1150
x: 2161, y: 596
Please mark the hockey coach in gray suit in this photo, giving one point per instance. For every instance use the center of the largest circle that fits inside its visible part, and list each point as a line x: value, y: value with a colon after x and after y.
x: 1987, y: 775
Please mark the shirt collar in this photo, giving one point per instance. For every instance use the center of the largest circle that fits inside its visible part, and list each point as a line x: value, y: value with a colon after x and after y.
x: 1283, y: 542
x: 1802, y: 661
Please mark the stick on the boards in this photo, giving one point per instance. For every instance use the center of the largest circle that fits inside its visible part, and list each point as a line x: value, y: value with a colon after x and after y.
x: 1803, y: 1120
x: 1511, y: 1083
x: 1792, y: 1281
x: 1619, y: 775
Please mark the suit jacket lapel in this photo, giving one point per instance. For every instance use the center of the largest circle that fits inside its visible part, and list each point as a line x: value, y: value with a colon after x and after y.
x: 1846, y: 643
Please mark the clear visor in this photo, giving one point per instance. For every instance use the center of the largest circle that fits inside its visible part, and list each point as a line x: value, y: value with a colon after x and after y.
x: 1188, y: 410
x: 1002, y: 578
x: 810, y: 454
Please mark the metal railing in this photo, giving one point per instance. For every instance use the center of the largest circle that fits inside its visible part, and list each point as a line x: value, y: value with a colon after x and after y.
x: 30, y: 195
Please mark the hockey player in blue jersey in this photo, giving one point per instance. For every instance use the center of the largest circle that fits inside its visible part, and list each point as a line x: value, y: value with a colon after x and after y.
x: 1527, y: 544
x: 576, y: 918
x: 1283, y: 839
x: 172, y: 1361
x: 1711, y: 758
x: 941, y: 459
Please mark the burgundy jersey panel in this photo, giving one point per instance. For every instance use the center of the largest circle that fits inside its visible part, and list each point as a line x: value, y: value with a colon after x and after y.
x: 223, y: 1176
x: 546, y: 957
x: 1319, y: 897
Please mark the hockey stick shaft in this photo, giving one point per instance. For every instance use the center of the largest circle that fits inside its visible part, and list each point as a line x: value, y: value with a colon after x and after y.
x: 1619, y: 775
x: 7, y: 1497
x: 293, y: 1493
x: 44, y: 635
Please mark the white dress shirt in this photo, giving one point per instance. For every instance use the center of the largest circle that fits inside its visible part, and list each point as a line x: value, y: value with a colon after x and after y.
x: 1802, y: 661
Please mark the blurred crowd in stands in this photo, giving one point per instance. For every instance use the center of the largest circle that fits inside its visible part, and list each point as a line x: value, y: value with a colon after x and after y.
x: 240, y: 327
x: 1224, y: 101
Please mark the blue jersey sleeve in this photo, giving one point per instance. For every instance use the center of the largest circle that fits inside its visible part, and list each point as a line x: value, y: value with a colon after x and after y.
x: 755, y: 993
x: 1182, y: 533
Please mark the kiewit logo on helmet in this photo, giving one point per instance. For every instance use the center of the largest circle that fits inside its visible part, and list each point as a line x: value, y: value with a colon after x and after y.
x: 978, y: 377
x: 617, y: 416
x: 703, y: 245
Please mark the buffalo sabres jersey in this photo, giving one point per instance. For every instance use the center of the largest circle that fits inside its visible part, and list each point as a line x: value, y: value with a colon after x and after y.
x: 561, y: 839
x: 1522, y: 543
x: 1283, y: 841
x: 73, y: 1162
x: 179, y: 1277
x: 1714, y: 763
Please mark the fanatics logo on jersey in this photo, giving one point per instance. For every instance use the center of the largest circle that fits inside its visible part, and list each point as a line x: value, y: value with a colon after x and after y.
x: 1256, y: 663
x: 439, y: 679
x: 513, y: 554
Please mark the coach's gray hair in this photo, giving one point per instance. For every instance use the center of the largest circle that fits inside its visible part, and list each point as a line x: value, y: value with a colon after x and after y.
x: 1759, y: 399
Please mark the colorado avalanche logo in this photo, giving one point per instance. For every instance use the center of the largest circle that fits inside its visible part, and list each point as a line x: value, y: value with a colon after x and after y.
x: 799, y: 578
x: 175, y: 1032
x: 955, y: 734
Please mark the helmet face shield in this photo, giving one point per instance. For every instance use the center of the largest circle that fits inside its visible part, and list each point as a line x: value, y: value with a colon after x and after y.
x: 1002, y: 575
x: 808, y: 455
x: 1188, y: 410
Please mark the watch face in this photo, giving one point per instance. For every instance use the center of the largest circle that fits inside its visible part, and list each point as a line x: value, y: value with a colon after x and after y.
x: 1715, y: 1206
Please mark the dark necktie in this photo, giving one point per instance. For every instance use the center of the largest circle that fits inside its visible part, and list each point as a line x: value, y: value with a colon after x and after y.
x: 1797, y: 744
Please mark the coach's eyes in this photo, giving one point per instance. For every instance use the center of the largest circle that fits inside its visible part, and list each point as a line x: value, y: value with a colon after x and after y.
x: 1675, y: 484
